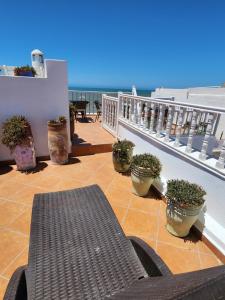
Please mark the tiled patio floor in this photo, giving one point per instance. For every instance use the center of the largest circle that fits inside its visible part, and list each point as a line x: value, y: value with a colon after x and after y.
x: 143, y: 217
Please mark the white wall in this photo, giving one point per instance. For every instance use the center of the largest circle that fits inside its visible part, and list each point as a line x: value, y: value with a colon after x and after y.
x: 38, y: 99
x: 212, y: 222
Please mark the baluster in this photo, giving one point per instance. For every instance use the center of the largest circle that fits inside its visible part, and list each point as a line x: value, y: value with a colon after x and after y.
x: 169, y: 124
x: 159, y: 124
x: 178, y: 129
x: 130, y: 112
x: 110, y: 109
x: 152, y: 118
x: 122, y: 107
x: 146, y: 116
x: 203, y: 153
x: 191, y: 132
x: 221, y: 160
x: 125, y: 108
x: 135, y: 112
x: 139, y: 113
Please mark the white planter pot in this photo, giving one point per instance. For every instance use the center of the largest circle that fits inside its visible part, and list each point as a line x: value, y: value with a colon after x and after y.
x: 141, y: 184
x: 180, y: 220
x: 24, y: 156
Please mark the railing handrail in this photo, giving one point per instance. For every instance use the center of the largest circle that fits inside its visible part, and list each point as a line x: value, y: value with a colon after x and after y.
x: 110, y: 97
x: 213, y: 109
x: 97, y: 92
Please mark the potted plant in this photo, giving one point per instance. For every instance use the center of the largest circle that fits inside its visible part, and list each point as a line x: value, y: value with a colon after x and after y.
x: 122, y: 155
x: 58, y: 140
x: 25, y: 71
x: 72, y: 110
x: 17, y: 136
x: 144, y: 169
x: 184, y: 203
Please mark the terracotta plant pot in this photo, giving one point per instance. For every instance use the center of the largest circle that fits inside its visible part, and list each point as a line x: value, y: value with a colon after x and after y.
x: 119, y: 165
x: 180, y: 220
x: 58, y: 142
x: 24, y: 156
x: 141, y: 181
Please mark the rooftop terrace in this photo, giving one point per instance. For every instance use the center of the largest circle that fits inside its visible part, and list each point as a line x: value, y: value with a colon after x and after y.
x: 142, y: 217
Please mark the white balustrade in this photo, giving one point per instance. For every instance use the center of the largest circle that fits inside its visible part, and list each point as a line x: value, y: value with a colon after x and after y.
x: 175, y: 124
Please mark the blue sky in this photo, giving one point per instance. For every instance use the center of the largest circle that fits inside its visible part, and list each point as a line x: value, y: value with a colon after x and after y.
x: 118, y: 43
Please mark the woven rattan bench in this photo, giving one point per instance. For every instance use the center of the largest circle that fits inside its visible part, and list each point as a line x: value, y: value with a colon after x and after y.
x: 79, y: 251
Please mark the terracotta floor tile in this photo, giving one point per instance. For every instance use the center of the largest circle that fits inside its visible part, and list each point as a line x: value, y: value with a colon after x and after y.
x: 203, y: 248
x: 3, y: 286
x: 118, y: 196
x: 46, y: 182
x: 148, y: 205
x: 26, y: 194
x: 9, y: 211
x: 141, y: 224
x: 178, y: 260
x: 208, y: 261
x: 67, y: 184
x: 22, y: 223
x: 19, y: 261
x: 12, y: 243
x: 9, y: 188
x: 120, y: 212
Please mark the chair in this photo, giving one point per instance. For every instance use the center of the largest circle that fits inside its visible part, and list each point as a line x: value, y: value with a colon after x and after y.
x: 98, y: 110
x: 80, y: 108
x: 78, y: 250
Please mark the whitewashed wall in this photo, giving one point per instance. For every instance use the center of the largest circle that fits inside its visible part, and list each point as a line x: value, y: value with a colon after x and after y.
x: 209, y: 96
x: 38, y: 99
x: 212, y: 221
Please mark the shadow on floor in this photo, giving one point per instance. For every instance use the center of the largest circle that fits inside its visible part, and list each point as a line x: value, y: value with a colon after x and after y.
x: 73, y: 161
x: 85, y: 120
x: 39, y: 167
x: 5, y: 169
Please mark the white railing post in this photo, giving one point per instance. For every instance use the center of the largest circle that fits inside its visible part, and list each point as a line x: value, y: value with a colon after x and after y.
x: 191, y: 133
x: 178, y: 129
x: 220, y: 162
x: 160, y: 117
x: 151, y: 128
x: 130, y: 111
x: 169, y: 124
x: 203, y: 153
x: 146, y: 116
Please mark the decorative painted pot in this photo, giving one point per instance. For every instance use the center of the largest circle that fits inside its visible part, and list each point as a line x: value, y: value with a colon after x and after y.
x: 180, y: 220
x: 141, y: 181
x: 119, y: 165
x: 24, y: 156
x: 58, y: 143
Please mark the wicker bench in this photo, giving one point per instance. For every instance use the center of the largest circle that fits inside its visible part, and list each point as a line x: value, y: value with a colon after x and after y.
x: 79, y: 251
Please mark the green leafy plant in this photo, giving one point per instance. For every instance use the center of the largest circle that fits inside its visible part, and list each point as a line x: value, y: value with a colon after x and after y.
x: 184, y: 193
x: 16, y: 131
x: 27, y: 68
x: 146, y: 165
x: 122, y: 150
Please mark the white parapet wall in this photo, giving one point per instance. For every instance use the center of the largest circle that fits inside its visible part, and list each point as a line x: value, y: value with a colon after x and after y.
x: 38, y: 99
x: 211, y: 221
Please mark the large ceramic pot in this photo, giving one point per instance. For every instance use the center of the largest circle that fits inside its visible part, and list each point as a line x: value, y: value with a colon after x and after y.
x: 180, y: 220
x: 24, y: 156
x: 120, y: 165
x: 58, y: 142
x: 141, y: 180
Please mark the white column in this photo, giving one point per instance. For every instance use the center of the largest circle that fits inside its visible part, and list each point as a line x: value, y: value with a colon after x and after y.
x: 146, y: 116
x: 191, y: 132
x: 203, y: 153
x: 168, y: 124
x: 159, y: 124
x: 221, y: 160
x: 178, y: 129
x: 151, y: 128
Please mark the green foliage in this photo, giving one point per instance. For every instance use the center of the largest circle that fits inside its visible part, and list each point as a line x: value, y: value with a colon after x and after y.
x: 15, y: 131
x: 72, y: 110
x: 184, y: 193
x: 27, y: 68
x: 60, y: 120
x: 149, y: 162
x: 122, y: 150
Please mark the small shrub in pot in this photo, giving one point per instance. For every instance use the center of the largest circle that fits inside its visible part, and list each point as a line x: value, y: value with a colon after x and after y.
x: 72, y: 111
x: 17, y: 136
x: 25, y: 71
x: 58, y: 140
x: 144, y: 169
x: 122, y: 155
x: 184, y: 203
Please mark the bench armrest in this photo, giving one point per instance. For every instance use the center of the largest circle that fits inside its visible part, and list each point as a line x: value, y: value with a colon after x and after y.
x: 17, y: 288
x: 152, y: 263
